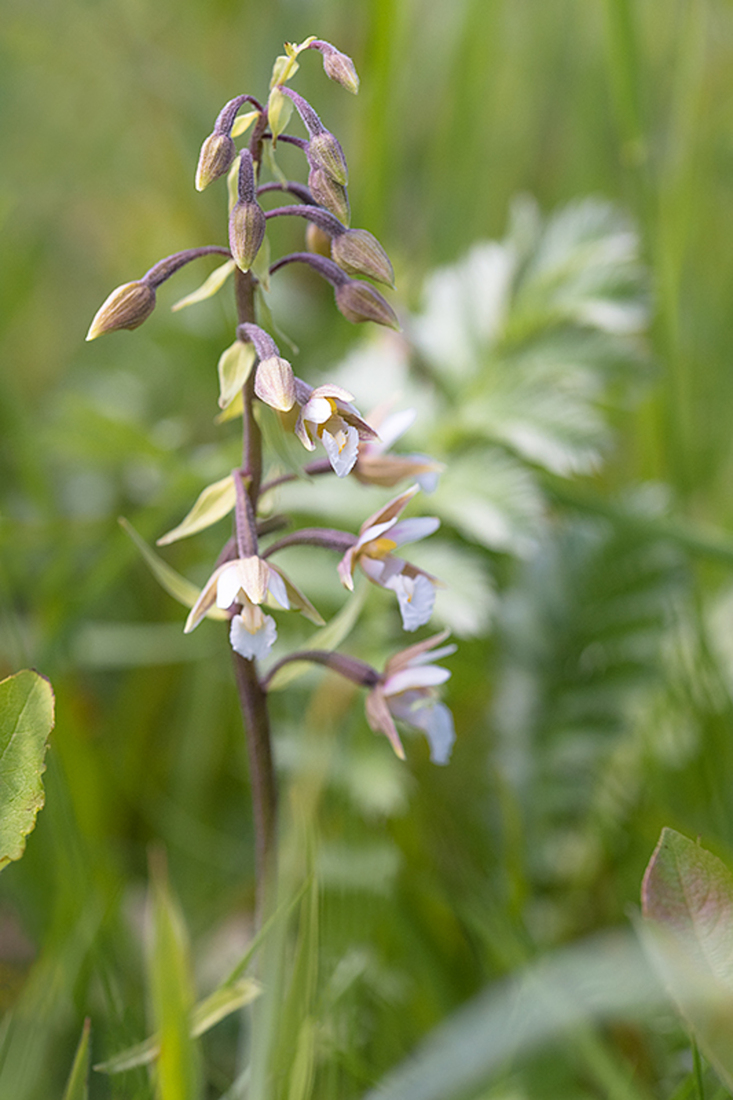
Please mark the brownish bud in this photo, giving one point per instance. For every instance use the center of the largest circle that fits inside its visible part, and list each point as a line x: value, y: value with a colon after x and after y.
x: 275, y: 384
x: 324, y: 151
x: 361, y: 302
x: 339, y: 67
x: 359, y: 252
x: 216, y: 157
x: 317, y: 240
x: 246, y: 232
x: 126, y: 307
x: 329, y: 194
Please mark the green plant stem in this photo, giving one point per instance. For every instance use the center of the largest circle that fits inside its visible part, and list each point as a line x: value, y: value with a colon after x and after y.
x: 697, y: 1070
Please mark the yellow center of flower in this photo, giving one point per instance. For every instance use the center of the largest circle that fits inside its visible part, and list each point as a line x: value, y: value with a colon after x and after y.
x: 379, y: 548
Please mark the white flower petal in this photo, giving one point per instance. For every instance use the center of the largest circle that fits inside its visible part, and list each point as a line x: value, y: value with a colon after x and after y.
x: 318, y: 410
x: 277, y: 588
x: 227, y: 587
x: 342, y: 449
x: 436, y: 722
x: 409, y: 678
x: 394, y: 426
x: 252, y: 644
x: 416, y: 598
x: 412, y: 530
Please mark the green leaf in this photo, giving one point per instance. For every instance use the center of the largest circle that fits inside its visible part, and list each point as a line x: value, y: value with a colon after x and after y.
x: 261, y: 265
x: 174, y: 584
x: 171, y: 989
x: 208, y: 288
x: 243, y: 123
x: 279, y: 110
x: 77, y: 1087
x: 26, y: 720
x: 687, y: 895
x: 235, y: 364
x: 217, y: 1006
x: 329, y: 637
x: 215, y: 502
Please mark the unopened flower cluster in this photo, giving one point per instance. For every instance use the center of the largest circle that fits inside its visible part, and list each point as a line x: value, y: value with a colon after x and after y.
x: 245, y: 581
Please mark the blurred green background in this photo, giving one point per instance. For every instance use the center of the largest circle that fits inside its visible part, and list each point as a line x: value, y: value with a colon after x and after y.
x: 433, y: 882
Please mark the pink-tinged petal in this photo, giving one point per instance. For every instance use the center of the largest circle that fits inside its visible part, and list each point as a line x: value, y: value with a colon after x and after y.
x: 418, y: 653
x: 250, y: 576
x: 352, y: 418
x: 251, y: 639
x: 374, y: 569
x: 342, y: 449
x: 318, y: 410
x: 301, y: 431
x: 412, y: 530
x: 409, y: 679
x: 434, y: 655
x: 277, y: 589
x: 338, y: 393
x: 416, y: 597
x: 380, y: 719
x: 206, y: 600
x: 346, y: 569
x: 392, y: 509
x: 373, y: 532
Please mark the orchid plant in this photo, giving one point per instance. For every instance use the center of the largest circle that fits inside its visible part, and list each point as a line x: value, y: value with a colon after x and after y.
x: 253, y: 374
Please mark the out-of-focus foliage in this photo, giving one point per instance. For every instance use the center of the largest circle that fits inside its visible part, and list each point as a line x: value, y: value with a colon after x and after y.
x: 26, y: 720
x: 573, y: 375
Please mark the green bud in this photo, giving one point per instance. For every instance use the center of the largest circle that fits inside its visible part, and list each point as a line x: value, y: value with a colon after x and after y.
x: 317, y: 240
x: 216, y: 157
x: 246, y: 232
x: 361, y: 302
x: 329, y: 194
x: 359, y: 252
x: 126, y: 307
x: 324, y: 151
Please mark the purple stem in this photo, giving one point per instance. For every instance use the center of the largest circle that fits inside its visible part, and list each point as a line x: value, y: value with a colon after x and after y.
x: 359, y: 672
x: 325, y: 221
x: 327, y: 269
x: 165, y: 268
x: 313, y: 536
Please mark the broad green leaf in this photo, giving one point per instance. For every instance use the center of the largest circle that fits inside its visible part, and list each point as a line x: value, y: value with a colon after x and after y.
x: 268, y: 156
x: 687, y: 895
x: 208, y: 288
x: 208, y: 1012
x: 174, y: 584
x: 329, y: 637
x: 215, y: 502
x: 234, y: 409
x: 233, y: 183
x: 284, y: 69
x: 261, y: 266
x: 77, y: 1087
x: 171, y: 991
x: 235, y: 365
x: 26, y: 720
x: 279, y: 110
x: 243, y: 123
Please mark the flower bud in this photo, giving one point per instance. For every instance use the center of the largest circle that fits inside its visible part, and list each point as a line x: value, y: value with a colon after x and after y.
x: 361, y: 302
x: 359, y: 252
x: 339, y: 67
x: 317, y: 240
x: 329, y: 194
x: 216, y: 157
x: 246, y: 232
x: 275, y: 384
x: 126, y: 307
x: 324, y: 151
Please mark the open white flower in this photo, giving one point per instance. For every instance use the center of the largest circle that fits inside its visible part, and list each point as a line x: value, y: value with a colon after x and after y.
x: 250, y: 582
x: 373, y: 550
x: 327, y: 414
x: 407, y: 692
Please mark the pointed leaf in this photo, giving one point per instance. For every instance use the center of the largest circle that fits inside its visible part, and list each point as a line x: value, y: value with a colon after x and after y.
x: 26, y: 720
x: 687, y: 896
x: 208, y: 288
x: 77, y: 1087
x: 243, y: 123
x: 279, y: 110
x: 215, y: 502
x: 208, y: 1012
x: 234, y: 369
x: 174, y: 584
x: 261, y: 265
x: 232, y: 411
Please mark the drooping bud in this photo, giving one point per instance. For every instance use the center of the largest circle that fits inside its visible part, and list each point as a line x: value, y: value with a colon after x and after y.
x: 317, y: 240
x: 359, y: 252
x: 126, y: 307
x: 329, y: 194
x: 247, y: 219
x: 275, y: 384
x: 324, y: 151
x: 338, y: 66
x: 361, y: 302
x: 216, y: 157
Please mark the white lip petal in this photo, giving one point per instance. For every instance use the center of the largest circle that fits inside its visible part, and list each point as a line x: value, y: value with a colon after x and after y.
x: 252, y: 645
x: 436, y: 722
x: 416, y: 597
x: 342, y: 449
x: 408, y: 679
